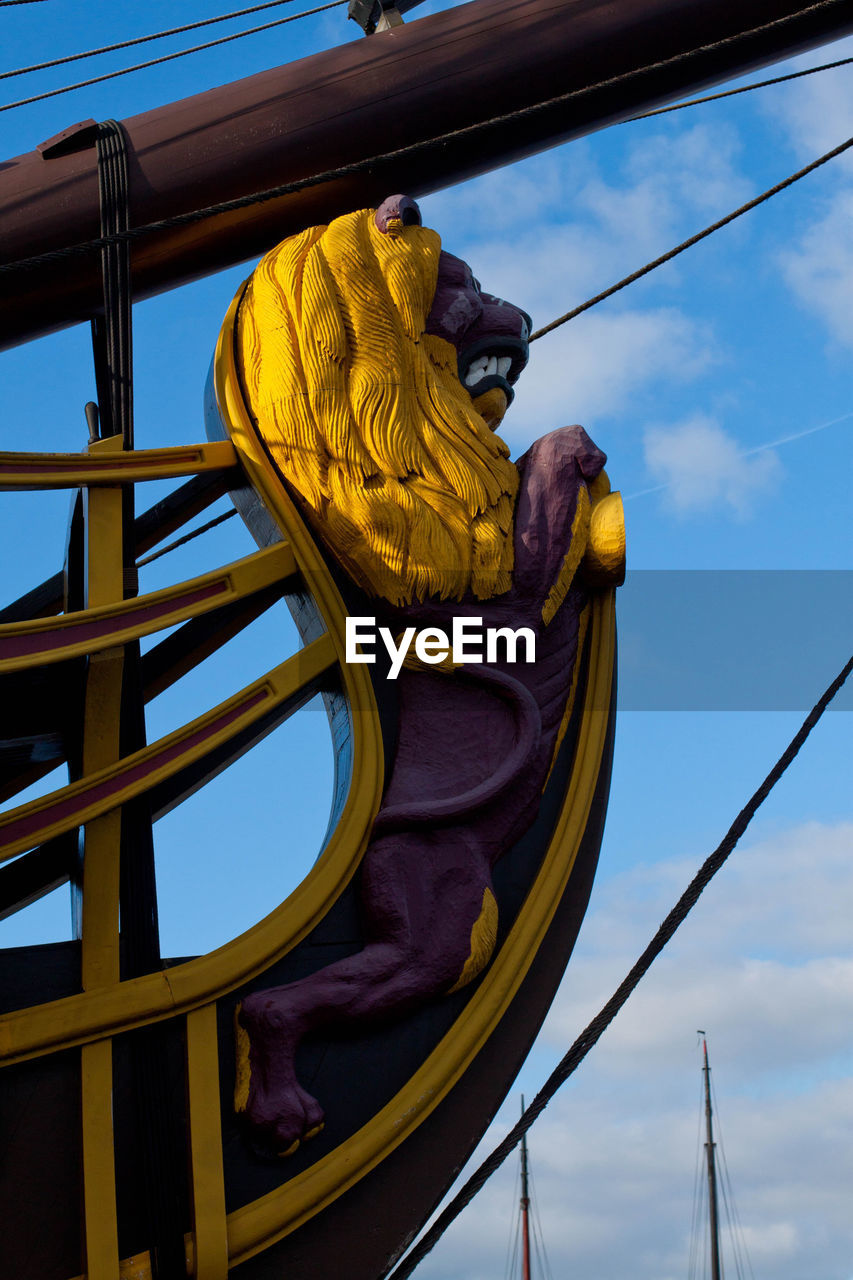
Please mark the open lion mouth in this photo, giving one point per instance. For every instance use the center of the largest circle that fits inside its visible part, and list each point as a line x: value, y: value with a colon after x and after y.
x: 492, y: 362
x: 484, y: 366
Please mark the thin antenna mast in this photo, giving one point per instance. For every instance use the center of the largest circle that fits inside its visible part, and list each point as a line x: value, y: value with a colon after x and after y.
x: 525, y: 1207
x: 712, y: 1170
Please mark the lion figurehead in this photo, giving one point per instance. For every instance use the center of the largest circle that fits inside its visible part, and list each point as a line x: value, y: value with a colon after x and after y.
x: 374, y: 373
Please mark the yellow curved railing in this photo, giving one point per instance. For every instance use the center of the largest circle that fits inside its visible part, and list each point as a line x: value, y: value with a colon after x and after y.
x: 120, y: 1007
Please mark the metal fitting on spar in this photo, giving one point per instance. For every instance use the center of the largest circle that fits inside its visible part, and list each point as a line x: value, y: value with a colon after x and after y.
x: 469, y: 641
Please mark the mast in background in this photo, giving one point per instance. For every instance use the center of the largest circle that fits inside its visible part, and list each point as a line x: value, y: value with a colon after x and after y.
x: 712, y: 1168
x: 525, y: 1207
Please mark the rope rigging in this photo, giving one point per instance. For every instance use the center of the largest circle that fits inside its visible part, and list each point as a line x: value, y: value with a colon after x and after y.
x: 744, y: 88
x: 128, y: 44
x: 540, y: 1250
x: 169, y: 57
x: 272, y: 193
x: 360, y: 166
x: 188, y: 537
x: 112, y: 332
x: 523, y: 113
x: 694, y: 239
x: 241, y: 202
x: 271, y: 4
x: 590, y: 1036
x: 513, y: 1244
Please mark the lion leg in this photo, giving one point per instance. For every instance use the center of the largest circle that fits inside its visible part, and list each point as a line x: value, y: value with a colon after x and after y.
x: 431, y: 927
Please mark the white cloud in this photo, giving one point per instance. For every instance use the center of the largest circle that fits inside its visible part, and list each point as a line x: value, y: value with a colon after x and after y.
x: 600, y: 363
x: 775, y: 928
x: 572, y: 231
x: 550, y: 272
x: 679, y: 176
x: 663, y: 183
x: 511, y: 199
x: 816, y: 112
x: 700, y: 465
x: 819, y: 268
x: 765, y: 964
x: 572, y: 234
x: 815, y: 115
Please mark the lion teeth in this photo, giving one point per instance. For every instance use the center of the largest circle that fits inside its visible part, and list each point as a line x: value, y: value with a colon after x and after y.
x: 486, y: 367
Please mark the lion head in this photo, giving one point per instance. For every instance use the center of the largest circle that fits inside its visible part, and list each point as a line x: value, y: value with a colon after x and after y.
x: 375, y: 368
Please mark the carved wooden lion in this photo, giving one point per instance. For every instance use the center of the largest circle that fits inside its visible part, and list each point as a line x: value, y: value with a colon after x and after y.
x: 377, y: 370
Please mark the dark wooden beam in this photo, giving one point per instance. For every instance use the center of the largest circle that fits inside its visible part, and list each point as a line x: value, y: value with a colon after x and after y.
x: 391, y: 90
x: 155, y: 524
x: 41, y: 602
x: 37, y: 873
x: 179, y: 506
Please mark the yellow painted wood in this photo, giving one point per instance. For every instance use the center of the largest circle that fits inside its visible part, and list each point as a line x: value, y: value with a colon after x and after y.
x: 101, y: 719
x: 136, y: 1267
x: 99, y: 913
x: 303, y: 342
x: 572, y: 558
x: 101, y: 861
x: 210, y: 1236
x: 81, y: 801
x: 104, y: 563
x: 100, y: 1226
x: 100, y: 888
x: 101, y: 729
x: 125, y: 620
x: 583, y: 625
x: 71, y: 470
x: 604, y: 562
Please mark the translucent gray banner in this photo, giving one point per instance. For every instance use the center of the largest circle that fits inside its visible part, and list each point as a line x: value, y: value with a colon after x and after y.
x: 720, y: 640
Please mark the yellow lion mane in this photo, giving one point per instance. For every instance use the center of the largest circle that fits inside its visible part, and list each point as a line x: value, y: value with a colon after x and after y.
x: 364, y: 414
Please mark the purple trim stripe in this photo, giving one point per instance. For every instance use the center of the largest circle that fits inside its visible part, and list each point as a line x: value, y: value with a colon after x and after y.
x: 67, y: 809
x: 100, y: 632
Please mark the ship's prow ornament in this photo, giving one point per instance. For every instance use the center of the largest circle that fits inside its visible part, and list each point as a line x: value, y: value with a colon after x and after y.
x: 367, y: 368
x: 297, y: 1101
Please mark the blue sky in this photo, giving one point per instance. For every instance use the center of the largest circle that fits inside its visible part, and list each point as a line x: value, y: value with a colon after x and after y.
x: 688, y: 380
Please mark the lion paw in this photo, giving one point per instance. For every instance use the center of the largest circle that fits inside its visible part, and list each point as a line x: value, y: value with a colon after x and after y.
x: 282, y: 1123
x: 279, y: 1112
